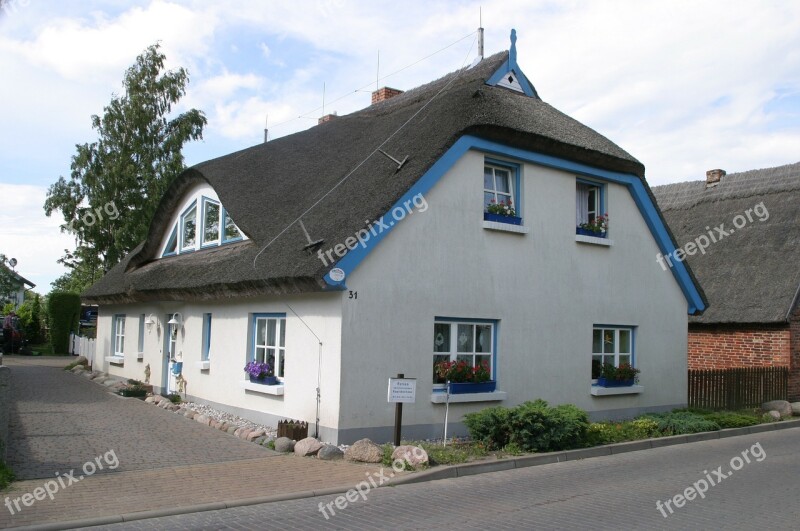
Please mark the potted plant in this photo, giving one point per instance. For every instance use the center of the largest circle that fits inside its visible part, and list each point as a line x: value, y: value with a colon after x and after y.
x: 502, y: 212
x: 623, y: 376
x: 465, y: 378
x: 597, y: 227
x: 261, y: 372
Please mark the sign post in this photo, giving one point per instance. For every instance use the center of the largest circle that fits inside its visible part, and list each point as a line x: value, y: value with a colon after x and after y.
x: 401, y: 390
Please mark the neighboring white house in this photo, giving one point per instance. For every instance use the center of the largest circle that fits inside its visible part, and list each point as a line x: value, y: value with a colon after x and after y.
x: 18, y: 283
x: 410, y: 270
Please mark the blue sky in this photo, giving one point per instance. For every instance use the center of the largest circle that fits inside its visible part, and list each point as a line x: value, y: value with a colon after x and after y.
x: 683, y: 86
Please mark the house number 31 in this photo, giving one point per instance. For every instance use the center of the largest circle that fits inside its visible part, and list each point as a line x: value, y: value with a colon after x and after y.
x: 352, y: 295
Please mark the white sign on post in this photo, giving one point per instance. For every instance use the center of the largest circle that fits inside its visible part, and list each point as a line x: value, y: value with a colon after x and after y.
x: 403, y: 390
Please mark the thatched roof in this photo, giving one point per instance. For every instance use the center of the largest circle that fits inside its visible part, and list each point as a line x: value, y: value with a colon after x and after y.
x: 266, y: 187
x: 753, y: 274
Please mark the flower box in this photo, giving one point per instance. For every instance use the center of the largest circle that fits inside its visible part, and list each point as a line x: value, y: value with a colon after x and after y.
x: 603, y: 382
x: 472, y: 387
x: 512, y: 220
x: 266, y: 380
x: 587, y: 232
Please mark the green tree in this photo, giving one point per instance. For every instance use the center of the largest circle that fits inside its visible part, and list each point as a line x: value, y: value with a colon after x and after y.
x: 117, y: 181
x: 8, y: 282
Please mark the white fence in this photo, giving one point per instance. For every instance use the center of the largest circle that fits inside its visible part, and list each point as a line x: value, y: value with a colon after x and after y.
x: 82, y: 346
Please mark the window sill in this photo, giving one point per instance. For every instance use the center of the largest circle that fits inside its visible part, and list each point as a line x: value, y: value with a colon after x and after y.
x: 594, y: 240
x: 505, y: 227
x: 140, y: 356
x: 496, y: 396
x: 261, y: 388
x: 116, y: 360
x: 596, y: 390
x: 204, y: 365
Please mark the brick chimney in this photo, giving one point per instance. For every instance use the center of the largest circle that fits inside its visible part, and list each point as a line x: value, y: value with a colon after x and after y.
x: 713, y: 177
x: 326, y: 118
x: 383, y: 94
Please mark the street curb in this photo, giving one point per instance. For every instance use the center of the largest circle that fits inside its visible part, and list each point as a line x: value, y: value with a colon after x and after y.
x: 445, y: 472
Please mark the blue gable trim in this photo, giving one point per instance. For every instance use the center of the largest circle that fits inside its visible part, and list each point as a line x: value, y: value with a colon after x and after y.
x: 635, y: 186
x: 511, y: 66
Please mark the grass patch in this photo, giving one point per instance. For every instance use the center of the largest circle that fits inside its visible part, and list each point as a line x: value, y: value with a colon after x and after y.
x: 6, y: 476
x: 175, y: 398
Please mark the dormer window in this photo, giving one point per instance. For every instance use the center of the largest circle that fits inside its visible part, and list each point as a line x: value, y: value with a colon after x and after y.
x: 203, y: 223
x: 189, y: 228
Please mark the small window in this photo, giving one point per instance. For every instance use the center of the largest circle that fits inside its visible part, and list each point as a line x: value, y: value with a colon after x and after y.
x: 589, y: 217
x: 232, y: 232
x: 211, y: 216
x: 206, y: 353
x: 189, y: 228
x: 497, y: 187
x: 141, y: 333
x: 119, y: 335
x: 269, y: 341
x: 172, y: 243
x: 611, y: 345
x: 472, y: 342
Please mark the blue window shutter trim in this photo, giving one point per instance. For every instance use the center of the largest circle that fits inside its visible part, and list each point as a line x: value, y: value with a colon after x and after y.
x: 468, y: 142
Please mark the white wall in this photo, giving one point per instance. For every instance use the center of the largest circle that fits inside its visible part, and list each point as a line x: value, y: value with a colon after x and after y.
x: 545, y: 289
x: 229, y: 352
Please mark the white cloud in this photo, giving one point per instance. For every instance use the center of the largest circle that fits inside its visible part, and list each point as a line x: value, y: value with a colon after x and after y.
x: 265, y: 51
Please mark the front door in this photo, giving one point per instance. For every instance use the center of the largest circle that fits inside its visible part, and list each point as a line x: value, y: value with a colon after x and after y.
x: 170, y: 341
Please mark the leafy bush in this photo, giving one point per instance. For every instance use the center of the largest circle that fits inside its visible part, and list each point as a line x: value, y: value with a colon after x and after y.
x: 133, y: 391
x: 64, y: 310
x: 728, y: 419
x: 681, y: 423
x: 531, y: 426
x: 6, y: 476
x: 490, y: 426
x: 175, y: 398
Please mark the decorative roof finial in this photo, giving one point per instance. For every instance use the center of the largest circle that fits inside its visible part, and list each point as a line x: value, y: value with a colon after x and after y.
x: 512, y: 52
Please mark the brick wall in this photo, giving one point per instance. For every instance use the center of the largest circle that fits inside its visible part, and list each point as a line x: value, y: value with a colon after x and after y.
x: 794, y: 372
x: 725, y: 347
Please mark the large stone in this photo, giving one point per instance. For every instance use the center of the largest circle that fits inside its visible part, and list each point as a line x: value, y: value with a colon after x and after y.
x: 364, y: 451
x: 202, y: 419
x: 307, y: 446
x: 796, y: 408
x: 81, y: 360
x: 413, y: 455
x: 774, y: 415
x: 150, y: 400
x: 189, y: 414
x: 781, y: 406
x: 232, y: 430
x: 78, y: 368
x: 255, y: 435
x: 111, y: 381
x: 284, y: 444
x: 330, y: 452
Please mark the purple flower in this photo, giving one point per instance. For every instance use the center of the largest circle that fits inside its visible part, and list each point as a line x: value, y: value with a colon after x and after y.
x: 258, y: 369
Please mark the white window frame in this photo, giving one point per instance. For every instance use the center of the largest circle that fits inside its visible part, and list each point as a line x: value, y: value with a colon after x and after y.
x: 453, y: 353
x: 278, y: 345
x: 614, y: 354
x: 203, y: 224
x: 224, y: 217
x: 119, y: 335
x: 510, y: 195
x: 597, y: 209
x: 190, y: 212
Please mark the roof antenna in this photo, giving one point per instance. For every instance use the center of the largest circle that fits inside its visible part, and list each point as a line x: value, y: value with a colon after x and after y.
x: 480, y: 33
x: 266, y: 129
x: 399, y: 163
x: 323, y: 98
x: 378, y: 71
x: 311, y: 244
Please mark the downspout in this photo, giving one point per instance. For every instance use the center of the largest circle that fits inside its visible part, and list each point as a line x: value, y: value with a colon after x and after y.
x: 319, y: 369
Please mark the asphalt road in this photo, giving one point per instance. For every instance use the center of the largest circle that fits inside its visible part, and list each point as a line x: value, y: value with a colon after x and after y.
x: 612, y: 492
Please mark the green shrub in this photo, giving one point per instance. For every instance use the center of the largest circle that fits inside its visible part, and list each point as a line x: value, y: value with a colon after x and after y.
x: 681, y: 423
x: 490, y: 426
x: 6, y: 476
x: 133, y: 391
x: 64, y: 310
x: 175, y: 398
x: 728, y: 419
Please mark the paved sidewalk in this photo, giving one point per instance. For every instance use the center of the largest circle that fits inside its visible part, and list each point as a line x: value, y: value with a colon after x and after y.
x: 61, y: 421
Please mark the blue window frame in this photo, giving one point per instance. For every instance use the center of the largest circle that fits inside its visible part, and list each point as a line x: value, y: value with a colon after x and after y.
x: 204, y: 223
x: 206, y: 349
x: 502, y: 191
x: 612, y: 344
x: 470, y: 340
x: 268, y: 340
x: 172, y: 243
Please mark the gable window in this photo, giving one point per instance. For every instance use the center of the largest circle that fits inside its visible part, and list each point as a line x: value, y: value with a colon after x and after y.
x: 211, y: 216
x: 232, y: 232
x: 269, y: 341
x: 119, y: 335
x: 172, y: 243
x: 611, y: 345
x: 189, y: 228
x: 141, y: 333
x: 590, y: 219
x: 501, y: 193
x: 205, y: 355
x: 470, y: 341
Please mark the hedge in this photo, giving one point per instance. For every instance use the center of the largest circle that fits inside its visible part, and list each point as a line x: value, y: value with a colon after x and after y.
x: 64, y: 309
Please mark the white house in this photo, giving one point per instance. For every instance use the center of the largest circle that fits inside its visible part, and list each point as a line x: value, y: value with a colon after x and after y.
x: 17, y: 283
x: 410, y: 269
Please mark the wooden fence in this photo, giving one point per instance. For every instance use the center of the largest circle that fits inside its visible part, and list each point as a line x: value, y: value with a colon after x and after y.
x: 293, y: 429
x: 737, y: 388
x: 82, y: 346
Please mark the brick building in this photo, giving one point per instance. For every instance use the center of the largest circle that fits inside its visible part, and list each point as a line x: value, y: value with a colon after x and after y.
x: 740, y: 234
